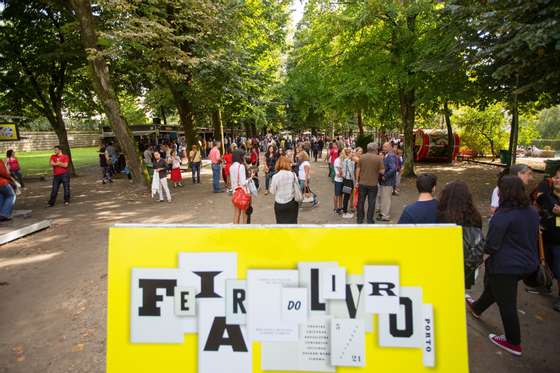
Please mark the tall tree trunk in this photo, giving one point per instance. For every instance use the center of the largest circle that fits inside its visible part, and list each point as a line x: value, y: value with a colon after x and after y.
x: 360, y: 122
x: 408, y: 111
x: 218, y: 127
x: 186, y: 113
x: 514, y: 133
x: 99, y: 74
x: 450, y: 137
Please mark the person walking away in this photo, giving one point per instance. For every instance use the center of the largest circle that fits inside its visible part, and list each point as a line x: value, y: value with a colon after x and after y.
x: 238, y: 177
x: 338, y: 183
x: 59, y: 163
x: 270, y: 158
x: 388, y: 180
x: 14, y: 167
x: 456, y: 206
x: 369, y: 167
x: 282, y: 186
x: 104, y: 165
x: 513, y: 255
x: 348, y: 181
x: 304, y: 176
x: 424, y: 210
x: 195, y: 158
x: 216, y: 161
x: 160, y: 166
x: 549, y: 202
x: 315, y: 147
x: 176, y: 176
x: 7, y: 194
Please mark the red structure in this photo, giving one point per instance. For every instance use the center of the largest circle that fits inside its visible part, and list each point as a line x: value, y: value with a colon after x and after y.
x: 431, y: 145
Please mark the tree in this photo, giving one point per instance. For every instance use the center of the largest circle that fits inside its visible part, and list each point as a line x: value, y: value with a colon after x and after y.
x: 484, y: 131
x: 39, y: 58
x: 99, y: 75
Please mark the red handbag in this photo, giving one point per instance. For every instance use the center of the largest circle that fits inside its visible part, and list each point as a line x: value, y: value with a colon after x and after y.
x: 241, y: 198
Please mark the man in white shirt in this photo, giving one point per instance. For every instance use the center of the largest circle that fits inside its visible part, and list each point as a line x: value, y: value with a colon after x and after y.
x: 338, y: 184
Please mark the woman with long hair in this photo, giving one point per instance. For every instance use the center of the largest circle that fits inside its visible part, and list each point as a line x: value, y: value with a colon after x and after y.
x: 513, y: 255
x: 304, y: 175
x: 456, y: 206
x: 239, y: 180
x: 282, y: 186
x: 271, y: 157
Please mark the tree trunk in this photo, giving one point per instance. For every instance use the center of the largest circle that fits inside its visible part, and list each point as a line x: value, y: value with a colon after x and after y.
x: 407, y: 109
x: 99, y: 74
x: 514, y: 133
x: 450, y: 137
x: 186, y: 113
x: 360, y: 123
x: 218, y: 128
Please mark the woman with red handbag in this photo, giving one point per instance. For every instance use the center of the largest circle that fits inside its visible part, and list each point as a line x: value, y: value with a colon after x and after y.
x: 241, y: 198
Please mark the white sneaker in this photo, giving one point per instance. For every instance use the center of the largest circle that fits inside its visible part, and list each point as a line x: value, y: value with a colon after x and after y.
x: 347, y: 216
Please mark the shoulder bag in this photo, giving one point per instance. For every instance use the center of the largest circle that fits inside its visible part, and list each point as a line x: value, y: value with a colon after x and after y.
x: 541, y: 278
x: 240, y: 199
x: 298, y: 195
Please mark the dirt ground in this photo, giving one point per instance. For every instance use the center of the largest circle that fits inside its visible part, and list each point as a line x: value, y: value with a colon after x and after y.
x: 53, y: 284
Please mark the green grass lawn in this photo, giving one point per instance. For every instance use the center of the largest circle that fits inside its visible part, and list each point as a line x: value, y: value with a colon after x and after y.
x: 37, y: 162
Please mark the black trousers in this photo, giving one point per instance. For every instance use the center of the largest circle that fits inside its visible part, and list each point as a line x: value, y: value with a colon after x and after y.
x: 502, y: 289
x: 346, y: 196
x: 286, y: 213
x: 371, y: 193
x: 63, y: 179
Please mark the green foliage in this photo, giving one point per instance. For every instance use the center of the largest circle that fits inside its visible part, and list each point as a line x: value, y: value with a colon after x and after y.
x: 484, y: 131
x: 363, y: 140
x: 548, y: 123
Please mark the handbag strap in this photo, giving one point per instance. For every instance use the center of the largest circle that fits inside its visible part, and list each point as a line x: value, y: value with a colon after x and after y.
x: 541, y: 248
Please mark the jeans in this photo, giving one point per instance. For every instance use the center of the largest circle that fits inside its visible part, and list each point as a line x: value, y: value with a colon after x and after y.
x: 17, y: 175
x: 216, y: 171
x: 302, y: 187
x: 63, y: 179
x: 195, y: 168
x: 502, y: 289
x: 267, y: 179
x: 7, y: 201
x: 286, y: 213
x: 371, y: 193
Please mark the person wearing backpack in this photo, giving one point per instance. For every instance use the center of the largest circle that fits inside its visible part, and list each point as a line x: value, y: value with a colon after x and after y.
x: 287, y: 194
x: 241, y: 198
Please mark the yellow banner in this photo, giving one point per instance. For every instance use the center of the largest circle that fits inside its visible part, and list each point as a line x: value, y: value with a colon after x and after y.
x: 8, y: 132
x: 213, y: 299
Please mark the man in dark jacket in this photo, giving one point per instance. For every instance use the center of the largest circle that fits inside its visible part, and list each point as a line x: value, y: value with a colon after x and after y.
x: 388, y: 182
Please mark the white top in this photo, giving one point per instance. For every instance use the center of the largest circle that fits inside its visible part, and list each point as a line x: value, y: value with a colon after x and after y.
x: 301, y: 170
x: 176, y: 162
x: 237, y: 171
x: 495, y: 201
x: 282, y: 186
x: 338, y: 170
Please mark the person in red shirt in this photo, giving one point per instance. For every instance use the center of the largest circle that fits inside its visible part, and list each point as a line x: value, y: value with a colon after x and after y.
x: 228, y: 159
x: 7, y: 194
x: 13, y: 166
x: 59, y: 163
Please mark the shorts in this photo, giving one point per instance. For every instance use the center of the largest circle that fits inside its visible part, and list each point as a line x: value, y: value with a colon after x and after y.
x: 338, y: 188
x: 553, y: 259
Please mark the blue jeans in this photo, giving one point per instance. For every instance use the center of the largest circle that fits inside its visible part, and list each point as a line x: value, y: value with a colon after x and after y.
x: 7, y: 201
x: 302, y: 187
x: 195, y: 167
x: 216, y: 171
x: 63, y: 179
x: 268, y: 178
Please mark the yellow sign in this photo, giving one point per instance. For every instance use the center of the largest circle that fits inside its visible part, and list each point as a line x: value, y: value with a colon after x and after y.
x: 8, y: 132
x: 154, y: 272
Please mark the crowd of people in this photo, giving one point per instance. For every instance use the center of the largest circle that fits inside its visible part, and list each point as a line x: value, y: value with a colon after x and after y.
x: 522, y: 242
